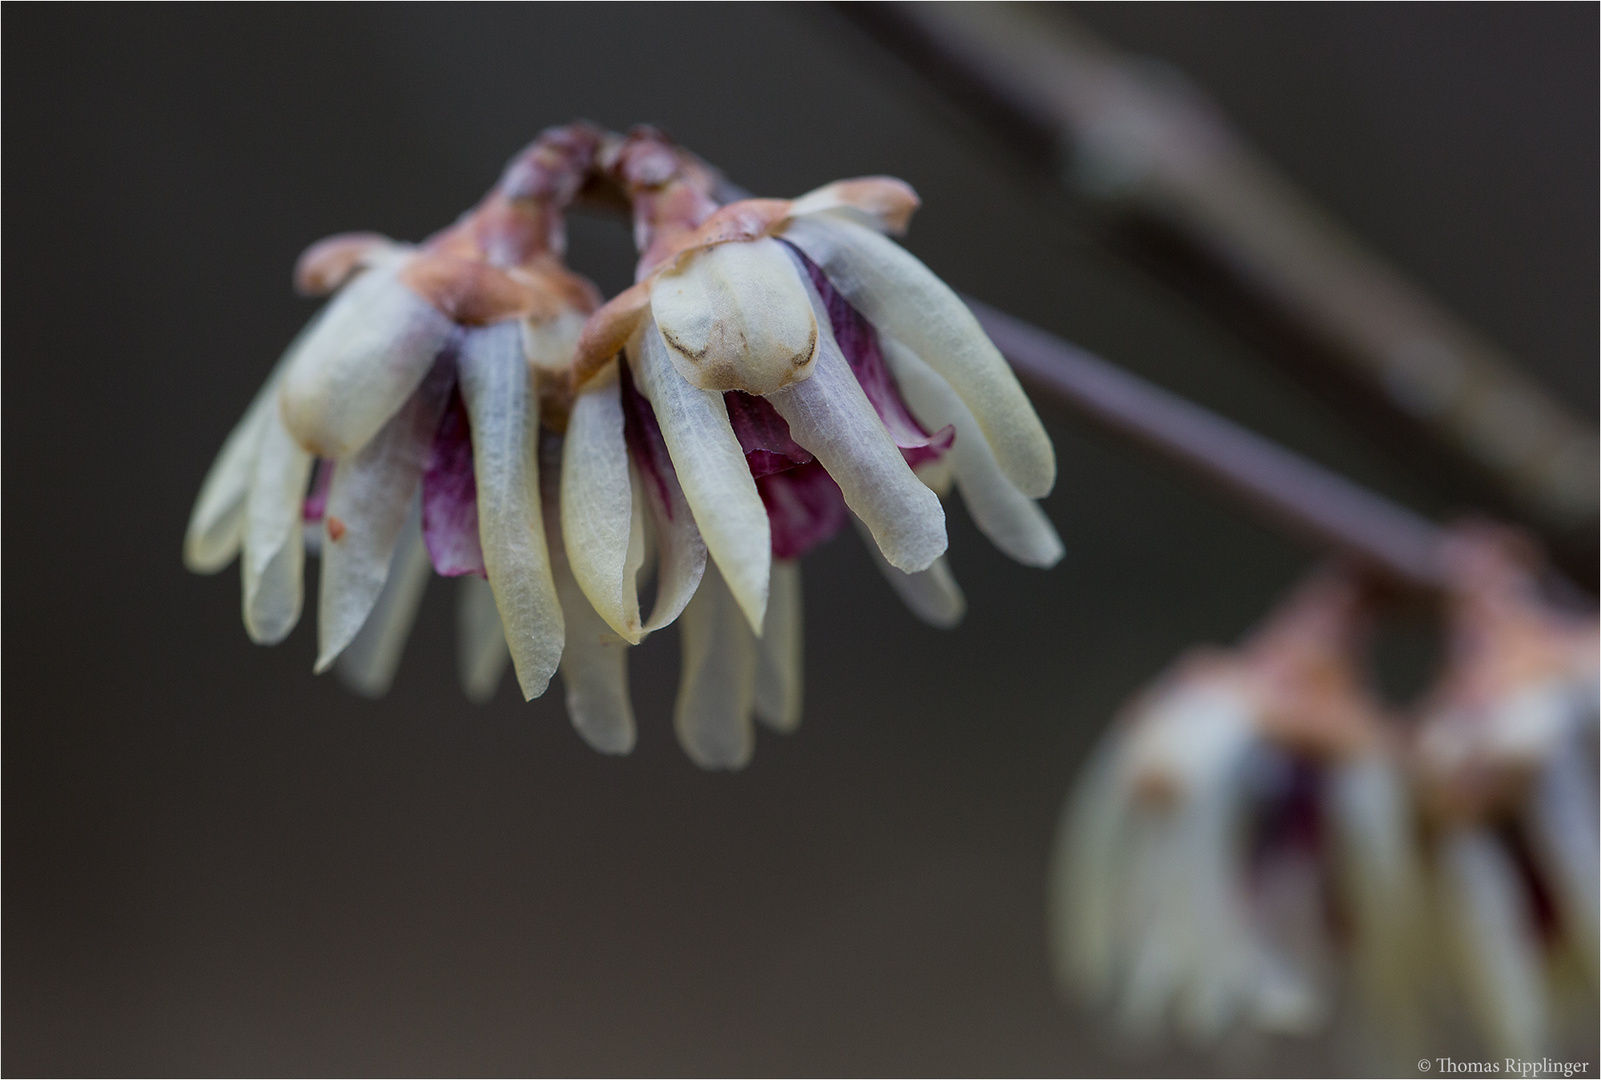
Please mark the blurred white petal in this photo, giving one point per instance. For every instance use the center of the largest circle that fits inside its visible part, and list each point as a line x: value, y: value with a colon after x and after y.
x: 932, y: 594
x: 369, y: 663
x: 368, y: 350
x: 367, y: 505
x: 594, y: 668
x: 1492, y: 932
x: 711, y: 469
x: 597, y: 506
x: 830, y: 416
x: 779, y: 667
x: 497, y: 387
x: 217, y: 523
x: 735, y: 317
x: 274, y: 555
x: 716, y: 690
x: 904, y: 299
x: 1564, y: 836
x: 1086, y: 876
x: 481, y: 655
x: 1013, y: 522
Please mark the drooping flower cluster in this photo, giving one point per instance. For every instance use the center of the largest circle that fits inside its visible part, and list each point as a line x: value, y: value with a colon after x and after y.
x: 1257, y: 829
x: 781, y: 367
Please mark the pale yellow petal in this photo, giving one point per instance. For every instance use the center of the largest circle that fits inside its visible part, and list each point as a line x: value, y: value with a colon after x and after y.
x: 717, y: 687
x: 369, y: 663
x: 597, y: 506
x: 904, y: 299
x: 931, y: 594
x: 779, y: 668
x: 481, y: 655
x: 274, y: 552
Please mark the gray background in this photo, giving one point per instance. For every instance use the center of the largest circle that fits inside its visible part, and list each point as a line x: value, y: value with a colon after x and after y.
x: 215, y: 862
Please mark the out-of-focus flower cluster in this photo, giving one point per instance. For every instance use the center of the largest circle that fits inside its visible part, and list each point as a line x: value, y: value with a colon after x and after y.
x: 1259, y: 830
x: 468, y: 406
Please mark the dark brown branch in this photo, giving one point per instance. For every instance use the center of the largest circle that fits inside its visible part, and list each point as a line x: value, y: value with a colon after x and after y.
x: 1313, y: 503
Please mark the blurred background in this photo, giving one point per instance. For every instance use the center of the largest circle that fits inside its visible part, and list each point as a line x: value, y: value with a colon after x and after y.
x: 217, y: 863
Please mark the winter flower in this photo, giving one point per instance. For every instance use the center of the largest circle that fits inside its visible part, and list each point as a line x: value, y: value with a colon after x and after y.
x: 1507, y: 762
x: 417, y: 387
x: 1239, y: 813
x: 780, y: 369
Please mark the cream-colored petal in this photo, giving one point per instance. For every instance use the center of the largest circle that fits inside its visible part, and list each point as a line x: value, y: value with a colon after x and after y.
x: 367, y: 506
x: 1085, y: 877
x: 368, y: 350
x: 1493, y: 938
x: 878, y: 202
x: 1012, y: 521
x: 904, y: 299
x: 680, y: 551
x: 1563, y: 835
x: 481, y: 655
x: 274, y: 554
x: 594, y: 668
x: 597, y: 506
x: 735, y: 317
x: 1380, y: 883
x: 497, y: 386
x: 717, y: 687
x: 779, y: 669
x: 217, y: 523
x: 711, y: 469
x: 830, y: 416
x: 368, y: 664
x: 932, y: 594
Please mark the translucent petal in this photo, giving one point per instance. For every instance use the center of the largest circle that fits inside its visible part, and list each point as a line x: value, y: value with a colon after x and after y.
x: 1492, y: 931
x: 932, y: 594
x: 716, y: 690
x: 597, y: 506
x: 497, y: 386
x: 481, y: 655
x: 367, y: 505
x: 368, y: 350
x: 830, y: 416
x: 905, y: 300
x: 274, y: 554
x: 368, y: 664
x: 710, y: 466
x: 1012, y: 521
x: 735, y: 317
x: 779, y: 670
x: 216, y: 525
x: 594, y: 668
x: 879, y: 202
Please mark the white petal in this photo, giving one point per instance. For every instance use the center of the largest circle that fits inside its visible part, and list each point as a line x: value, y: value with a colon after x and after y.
x: 216, y: 525
x: 1012, y: 521
x: 830, y: 416
x: 481, y: 655
x: 779, y: 669
x: 274, y: 555
x: 367, y: 505
x: 1380, y: 884
x: 735, y: 317
x: 680, y: 551
x: 716, y: 690
x: 1493, y: 936
x: 368, y: 350
x: 369, y: 663
x: 932, y: 595
x: 1085, y: 877
x: 903, y: 298
x: 597, y: 506
x: 594, y: 668
x: 497, y: 387
x: 1563, y: 834
x: 711, y: 469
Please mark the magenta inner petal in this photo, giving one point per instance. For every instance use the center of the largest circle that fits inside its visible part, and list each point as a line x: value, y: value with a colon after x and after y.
x: 450, y: 496
x: 316, y: 504
x: 804, y: 508
x: 859, y: 342
x: 763, y: 435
